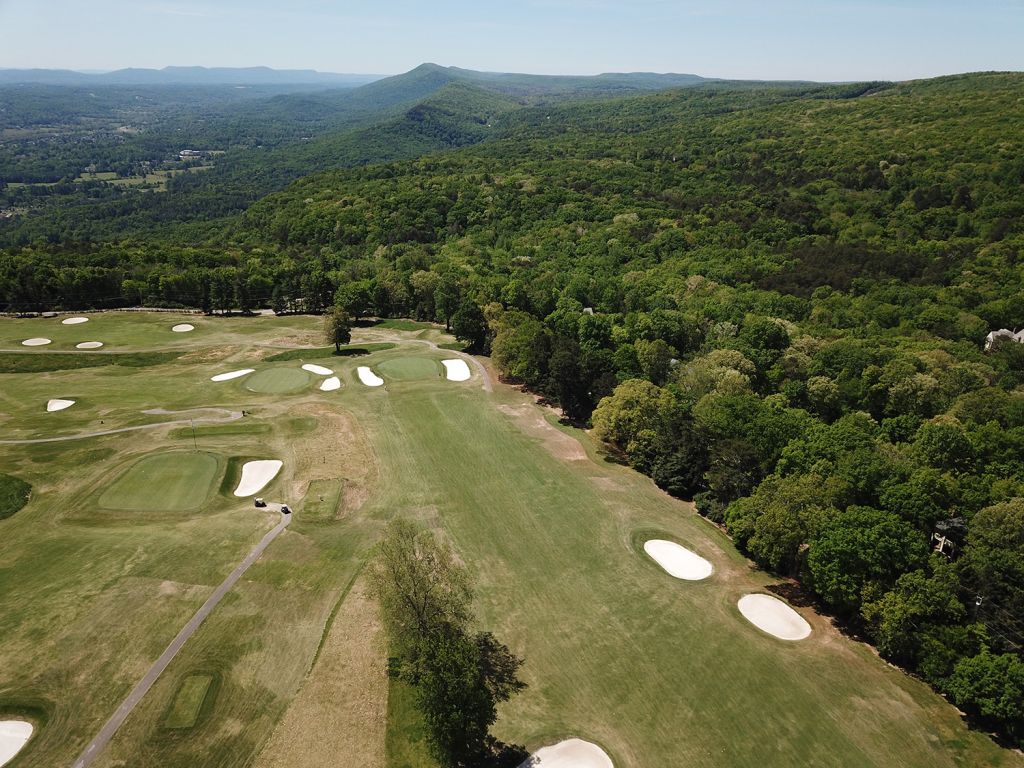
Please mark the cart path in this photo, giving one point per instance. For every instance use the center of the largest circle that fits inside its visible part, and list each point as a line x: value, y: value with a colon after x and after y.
x: 227, y: 416
x: 96, y: 746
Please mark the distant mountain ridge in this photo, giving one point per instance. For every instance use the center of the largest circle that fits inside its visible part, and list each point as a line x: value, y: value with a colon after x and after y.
x: 187, y: 76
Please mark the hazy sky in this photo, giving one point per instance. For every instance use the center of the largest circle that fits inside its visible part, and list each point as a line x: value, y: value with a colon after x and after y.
x: 773, y: 39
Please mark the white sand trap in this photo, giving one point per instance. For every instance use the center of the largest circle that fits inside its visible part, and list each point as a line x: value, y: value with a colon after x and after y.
x: 232, y: 374
x: 773, y: 616
x: 14, y: 734
x: 331, y: 384
x: 368, y: 377
x: 35, y: 342
x: 183, y: 328
x: 256, y: 474
x: 319, y: 370
x: 74, y: 320
x: 571, y: 753
x: 677, y: 560
x: 89, y: 345
x: 456, y: 370
x: 58, y: 405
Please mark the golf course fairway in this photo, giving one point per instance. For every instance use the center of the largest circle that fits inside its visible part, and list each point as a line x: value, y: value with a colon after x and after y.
x: 655, y: 671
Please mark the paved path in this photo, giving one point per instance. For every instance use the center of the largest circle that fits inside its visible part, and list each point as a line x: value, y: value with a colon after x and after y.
x: 228, y: 416
x: 96, y: 746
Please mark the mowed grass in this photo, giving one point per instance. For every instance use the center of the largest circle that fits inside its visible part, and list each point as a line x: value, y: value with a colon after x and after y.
x: 658, y: 672
x: 178, y: 481
x: 409, y: 368
x: 277, y: 381
x: 188, y: 702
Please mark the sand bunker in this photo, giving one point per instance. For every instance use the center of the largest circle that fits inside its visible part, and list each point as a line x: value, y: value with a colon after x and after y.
x: 232, y: 374
x: 35, y: 342
x: 89, y: 345
x: 74, y: 320
x: 456, y: 370
x: 58, y: 405
x: 183, y: 328
x: 319, y: 370
x: 773, y: 616
x: 256, y: 474
x: 331, y: 384
x: 368, y: 377
x: 571, y: 753
x: 678, y: 561
x: 14, y: 734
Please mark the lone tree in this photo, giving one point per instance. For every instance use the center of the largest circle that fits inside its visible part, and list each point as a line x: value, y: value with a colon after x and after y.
x: 459, y: 676
x: 338, y: 328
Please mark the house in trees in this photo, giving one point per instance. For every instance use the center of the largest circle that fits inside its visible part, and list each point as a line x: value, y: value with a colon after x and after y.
x: 995, y: 338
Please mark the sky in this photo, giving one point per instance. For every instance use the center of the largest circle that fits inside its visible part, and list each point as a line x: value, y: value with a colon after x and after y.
x: 766, y: 39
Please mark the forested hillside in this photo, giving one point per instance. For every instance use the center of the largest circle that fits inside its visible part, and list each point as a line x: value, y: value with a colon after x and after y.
x: 773, y: 300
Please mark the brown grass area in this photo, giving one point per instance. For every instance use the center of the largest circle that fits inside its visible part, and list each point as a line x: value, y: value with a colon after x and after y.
x: 530, y: 419
x: 338, y: 449
x: 340, y: 715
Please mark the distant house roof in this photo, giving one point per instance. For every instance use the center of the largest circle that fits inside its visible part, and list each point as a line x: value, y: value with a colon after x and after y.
x: 1003, y: 333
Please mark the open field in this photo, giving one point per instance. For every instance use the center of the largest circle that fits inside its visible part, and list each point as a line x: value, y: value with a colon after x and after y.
x: 657, y: 671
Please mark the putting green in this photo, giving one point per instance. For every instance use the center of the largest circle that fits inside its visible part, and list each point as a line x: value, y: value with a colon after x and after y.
x: 165, y: 482
x: 409, y: 368
x: 277, y: 381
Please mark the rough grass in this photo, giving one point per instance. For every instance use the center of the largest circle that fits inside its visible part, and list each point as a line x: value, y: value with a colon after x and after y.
x: 38, y: 362
x: 14, y: 495
x: 166, y: 482
x: 278, y: 381
x: 188, y: 702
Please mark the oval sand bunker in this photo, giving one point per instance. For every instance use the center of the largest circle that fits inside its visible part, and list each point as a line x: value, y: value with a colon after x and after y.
x: 183, y: 328
x: 677, y: 560
x: 368, y: 377
x: 37, y: 342
x: 232, y: 374
x: 58, y: 405
x: 14, y: 734
x: 319, y: 370
x: 89, y: 345
x: 74, y: 320
x: 771, y: 615
x: 256, y: 474
x: 455, y: 370
x: 571, y: 753
x: 331, y: 384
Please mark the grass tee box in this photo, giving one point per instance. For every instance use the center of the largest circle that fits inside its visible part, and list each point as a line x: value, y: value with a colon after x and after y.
x: 278, y: 381
x: 188, y: 703
x: 410, y: 368
x: 166, y: 482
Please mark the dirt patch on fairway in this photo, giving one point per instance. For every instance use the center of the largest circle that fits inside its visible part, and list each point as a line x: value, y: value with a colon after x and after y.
x: 340, y: 714
x: 531, y: 421
x: 338, y: 449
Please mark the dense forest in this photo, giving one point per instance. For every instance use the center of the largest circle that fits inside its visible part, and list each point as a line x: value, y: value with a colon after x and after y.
x: 772, y: 300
